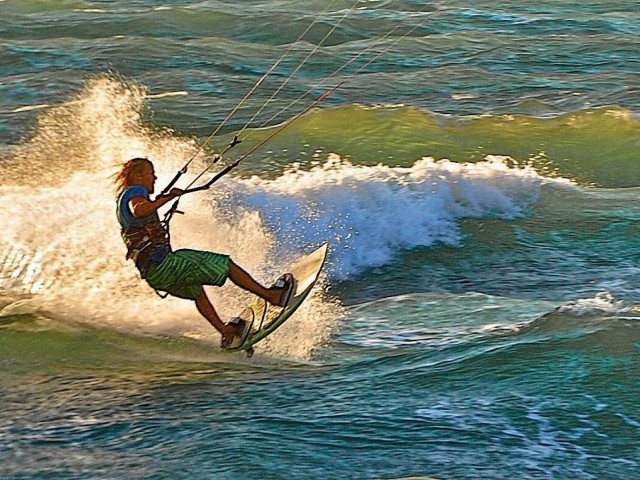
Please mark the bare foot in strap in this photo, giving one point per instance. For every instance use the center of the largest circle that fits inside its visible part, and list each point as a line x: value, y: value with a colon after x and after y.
x: 235, y: 334
x: 286, y: 285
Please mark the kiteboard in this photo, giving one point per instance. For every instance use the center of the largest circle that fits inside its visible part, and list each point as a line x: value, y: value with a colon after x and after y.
x: 266, y: 318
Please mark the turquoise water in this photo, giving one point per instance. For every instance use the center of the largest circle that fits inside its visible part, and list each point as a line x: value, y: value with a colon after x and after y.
x: 475, y: 174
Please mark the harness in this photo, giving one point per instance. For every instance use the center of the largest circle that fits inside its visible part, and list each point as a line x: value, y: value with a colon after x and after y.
x: 143, y: 240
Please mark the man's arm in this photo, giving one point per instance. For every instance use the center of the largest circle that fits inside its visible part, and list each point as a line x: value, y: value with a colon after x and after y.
x: 142, y: 207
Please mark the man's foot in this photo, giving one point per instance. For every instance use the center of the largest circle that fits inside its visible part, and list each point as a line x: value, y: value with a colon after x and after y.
x: 286, y: 284
x: 235, y: 334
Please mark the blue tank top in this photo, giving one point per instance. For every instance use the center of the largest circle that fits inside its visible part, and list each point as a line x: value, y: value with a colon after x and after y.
x: 127, y: 220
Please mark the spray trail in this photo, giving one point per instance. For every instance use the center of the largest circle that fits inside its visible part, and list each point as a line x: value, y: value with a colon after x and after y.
x: 60, y: 251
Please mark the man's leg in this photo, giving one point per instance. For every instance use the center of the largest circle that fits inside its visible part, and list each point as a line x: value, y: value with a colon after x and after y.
x: 241, y: 278
x: 207, y: 311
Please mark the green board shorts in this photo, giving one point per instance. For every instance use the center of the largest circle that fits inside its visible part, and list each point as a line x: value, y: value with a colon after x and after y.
x: 183, y: 273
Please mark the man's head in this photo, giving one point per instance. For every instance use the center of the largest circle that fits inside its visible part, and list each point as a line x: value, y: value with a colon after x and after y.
x: 137, y: 171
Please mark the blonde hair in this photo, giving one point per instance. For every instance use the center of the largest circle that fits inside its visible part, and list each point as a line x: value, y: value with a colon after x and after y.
x: 122, y: 179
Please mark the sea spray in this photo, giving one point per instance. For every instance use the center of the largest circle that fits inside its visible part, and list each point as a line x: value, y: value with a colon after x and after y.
x: 61, y: 253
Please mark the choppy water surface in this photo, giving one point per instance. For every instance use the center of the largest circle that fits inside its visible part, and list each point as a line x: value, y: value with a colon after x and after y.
x: 475, y: 174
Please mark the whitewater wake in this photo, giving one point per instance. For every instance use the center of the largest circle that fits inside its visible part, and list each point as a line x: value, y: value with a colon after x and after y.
x: 60, y: 246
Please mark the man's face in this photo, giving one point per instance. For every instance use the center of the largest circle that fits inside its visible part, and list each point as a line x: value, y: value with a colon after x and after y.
x: 148, y: 178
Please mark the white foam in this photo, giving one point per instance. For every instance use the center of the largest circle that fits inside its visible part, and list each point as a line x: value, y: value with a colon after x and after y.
x: 601, y: 303
x: 370, y: 213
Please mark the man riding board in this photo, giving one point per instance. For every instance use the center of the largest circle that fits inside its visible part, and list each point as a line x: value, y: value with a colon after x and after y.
x: 181, y: 273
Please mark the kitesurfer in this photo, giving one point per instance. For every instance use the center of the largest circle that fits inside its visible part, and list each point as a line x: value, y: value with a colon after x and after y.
x: 181, y: 273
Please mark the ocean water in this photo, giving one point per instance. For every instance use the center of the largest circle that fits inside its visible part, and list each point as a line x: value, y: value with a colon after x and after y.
x: 473, y: 167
